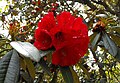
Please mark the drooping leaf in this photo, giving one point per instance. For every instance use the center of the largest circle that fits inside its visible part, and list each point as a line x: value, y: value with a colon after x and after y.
x: 9, y: 68
x: 26, y: 49
x: 30, y: 67
x: 44, y: 65
x: 95, y: 41
x: 100, y: 44
x: 109, y: 44
x: 22, y: 64
x: 84, y: 69
x: 26, y: 76
x: 67, y: 74
x: 115, y: 38
x: 43, y: 53
x: 116, y: 28
x: 75, y: 76
x: 118, y: 55
x: 92, y: 36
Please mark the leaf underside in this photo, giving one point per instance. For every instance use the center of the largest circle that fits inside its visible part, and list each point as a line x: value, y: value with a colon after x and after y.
x: 9, y: 68
x: 109, y: 44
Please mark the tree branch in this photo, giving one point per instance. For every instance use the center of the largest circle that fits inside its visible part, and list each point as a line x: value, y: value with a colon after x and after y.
x: 105, y: 5
x: 87, y: 2
x: 92, y: 6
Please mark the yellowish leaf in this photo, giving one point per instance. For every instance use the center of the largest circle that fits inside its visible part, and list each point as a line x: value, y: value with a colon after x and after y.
x: 30, y: 67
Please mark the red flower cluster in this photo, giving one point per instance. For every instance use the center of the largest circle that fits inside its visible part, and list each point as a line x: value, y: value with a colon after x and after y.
x: 68, y: 34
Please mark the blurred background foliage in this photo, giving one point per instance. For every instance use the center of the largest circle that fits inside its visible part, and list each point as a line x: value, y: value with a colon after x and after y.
x: 19, y: 18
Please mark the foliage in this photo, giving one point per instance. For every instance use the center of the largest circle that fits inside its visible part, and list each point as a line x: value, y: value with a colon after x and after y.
x: 99, y: 65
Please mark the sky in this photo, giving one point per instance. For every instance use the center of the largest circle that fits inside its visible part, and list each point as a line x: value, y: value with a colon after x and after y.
x: 3, y: 3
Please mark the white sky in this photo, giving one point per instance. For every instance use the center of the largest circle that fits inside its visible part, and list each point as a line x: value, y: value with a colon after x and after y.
x: 3, y: 3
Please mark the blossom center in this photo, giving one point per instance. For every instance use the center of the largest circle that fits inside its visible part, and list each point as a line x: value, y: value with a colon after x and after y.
x: 45, y: 41
x: 59, y: 36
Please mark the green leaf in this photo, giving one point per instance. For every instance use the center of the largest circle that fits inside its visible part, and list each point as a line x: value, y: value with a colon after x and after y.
x: 43, y: 53
x: 118, y: 55
x: 26, y: 77
x: 115, y: 38
x: 67, y: 74
x: 30, y: 67
x: 92, y: 36
x: 116, y: 28
x: 109, y: 44
x: 9, y: 68
x: 26, y: 49
x: 75, y: 76
x: 22, y: 63
x: 84, y: 69
x: 44, y: 65
x: 95, y: 41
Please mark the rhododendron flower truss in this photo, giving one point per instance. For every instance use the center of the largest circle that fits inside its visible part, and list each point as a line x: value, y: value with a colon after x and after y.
x: 68, y: 34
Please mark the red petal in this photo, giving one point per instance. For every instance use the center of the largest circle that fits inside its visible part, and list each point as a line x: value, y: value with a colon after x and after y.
x: 43, y: 39
x: 80, y: 26
x: 65, y: 18
x: 69, y: 54
x: 47, y: 22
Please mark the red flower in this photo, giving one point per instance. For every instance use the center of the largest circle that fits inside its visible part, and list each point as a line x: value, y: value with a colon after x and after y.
x: 70, y: 38
x: 47, y: 22
x: 68, y: 30
x: 43, y: 39
x: 65, y: 19
x: 68, y: 34
x: 80, y: 26
x: 70, y: 54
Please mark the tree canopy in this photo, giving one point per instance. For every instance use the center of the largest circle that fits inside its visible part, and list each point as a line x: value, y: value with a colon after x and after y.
x: 21, y: 62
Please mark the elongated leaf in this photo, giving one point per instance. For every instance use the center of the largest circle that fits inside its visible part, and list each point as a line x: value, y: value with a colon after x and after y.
x: 115, y: 38
x: 26, y: 77
x: 95, y: 41
x: 92, y: 36
x: 44, y: 65
x: 43, y: 53
x: 67, y: 74
x: 22, y: 63
x: 30, y: 67
x: 116, y: 28
x: 26, y: 49
x: 84, y: 70
x: 109, y: 44
x: 75, y: 76
x: 9, y: 68
x: 118, y: 55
